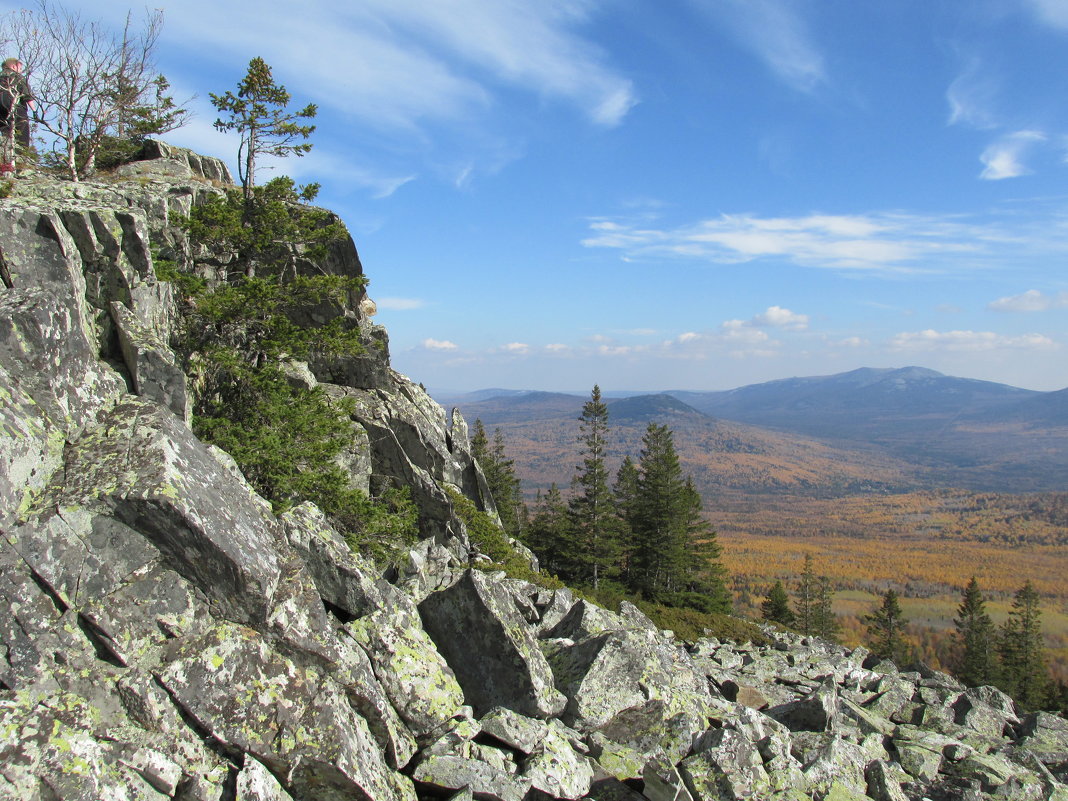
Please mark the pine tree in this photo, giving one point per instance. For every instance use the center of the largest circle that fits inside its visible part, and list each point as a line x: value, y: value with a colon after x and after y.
x: 1023, y: 665
x: 885, y: 628
x: 595, y: 546
x: 805, y: 597
x: 258, y: 112
x: 975, y: 630
x: 776, y: 606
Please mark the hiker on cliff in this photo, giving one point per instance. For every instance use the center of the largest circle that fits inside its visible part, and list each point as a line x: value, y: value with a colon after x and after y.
x: 16, y: 102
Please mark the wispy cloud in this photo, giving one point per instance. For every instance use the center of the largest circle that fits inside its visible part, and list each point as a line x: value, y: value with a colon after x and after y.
x: 1030, y: 301
x: 846, y: 242
x: 439, y: 344
x: 1005, y: 157
x: 397, y: 64
x: 1051, y: 12
x: 931, y: 340
x: 972, y: 96
x: 774, y: 32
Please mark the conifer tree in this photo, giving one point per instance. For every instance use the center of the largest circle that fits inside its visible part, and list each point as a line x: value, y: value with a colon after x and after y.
x: 260, y: 115
x: 675, y: 552
x: 776, y: 606
x: 805, y: 598
x: 625, y: 496
x: 975, y: 630
x: 702, y: 572
x: 549, y: 531
x: 592, y: 511
x: 504, y: 485
x: 886, y: 626
x: 1023, y: 665
x: 824, y: 621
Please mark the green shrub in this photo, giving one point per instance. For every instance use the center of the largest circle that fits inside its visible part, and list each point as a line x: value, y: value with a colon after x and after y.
x: 491, y: 540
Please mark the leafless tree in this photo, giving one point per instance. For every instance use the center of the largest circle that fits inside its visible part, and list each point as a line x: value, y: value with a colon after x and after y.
x: 90, y: 83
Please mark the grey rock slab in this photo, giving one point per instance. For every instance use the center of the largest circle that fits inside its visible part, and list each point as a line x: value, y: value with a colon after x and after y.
x: 556, y: 769
x: 818, y: 711
x: 517, y: 731
x: 626, y: 672
x: 445, y: 772
x: 490, y: 648
x: 142, y: 465
x: 727, y: 766
x: 292, y: 719
x: 414, y: 675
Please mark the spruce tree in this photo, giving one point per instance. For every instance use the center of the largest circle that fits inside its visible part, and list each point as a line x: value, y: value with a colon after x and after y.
x: 675, y: 552
x: 776, y: 606
x: 549, y: 531
x: 1023, y: 664
x: 595, y: 545
x: 703, y: 574
x: 805, y: 597
x: 886, y: 626
x: 625, y: 496
x: 824, y: 621
x: 977, y: 664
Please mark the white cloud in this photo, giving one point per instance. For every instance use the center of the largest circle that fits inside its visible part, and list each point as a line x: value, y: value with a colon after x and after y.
x: 888, y: 241
x: 400, y: 304
x: 778, y: 317
x: 557, y: 347
x: 931, y: 340
x: 1030, y: 301
x: 775, y: 33
x: 1005, y: 157
x: 971, y: 96
x: 852, y: 342
x: 516, y: 347
x: 439, y: 344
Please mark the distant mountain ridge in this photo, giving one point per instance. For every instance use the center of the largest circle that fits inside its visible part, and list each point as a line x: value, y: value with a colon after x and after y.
x: 937, y: 430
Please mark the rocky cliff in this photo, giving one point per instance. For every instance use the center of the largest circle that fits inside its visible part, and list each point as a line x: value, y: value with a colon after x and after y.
x: 165, y: 635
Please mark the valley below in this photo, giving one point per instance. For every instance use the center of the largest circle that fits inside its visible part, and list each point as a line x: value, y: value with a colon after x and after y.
x: 880, y: 496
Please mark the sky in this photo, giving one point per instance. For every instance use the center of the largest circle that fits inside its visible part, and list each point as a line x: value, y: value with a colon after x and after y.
x: 673, y: 194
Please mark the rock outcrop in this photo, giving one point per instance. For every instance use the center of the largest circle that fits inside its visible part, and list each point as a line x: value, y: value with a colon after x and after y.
x: 165, y: 635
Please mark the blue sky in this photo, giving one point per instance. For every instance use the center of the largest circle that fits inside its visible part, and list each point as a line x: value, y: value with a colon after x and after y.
x: 676, y: 194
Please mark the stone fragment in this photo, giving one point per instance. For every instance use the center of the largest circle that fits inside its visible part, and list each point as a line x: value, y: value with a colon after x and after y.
x: 556, y: 769
x: 727, y: 766
x: 445, y: 772
x: 489, y: 647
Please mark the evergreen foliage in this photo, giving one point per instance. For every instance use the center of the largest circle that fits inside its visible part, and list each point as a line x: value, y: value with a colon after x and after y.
x: 503, y: 483
x: 805, y: 597
x: 595, y: 535
x: 550, y: 530
x: 625, y: 498
x: 776, y: 606
x: 260, y: 115
x: 675, y: 552
x: 977, y: 664
x: 824, y: 621
x: 1023, y: 667
x: 886, y: 626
